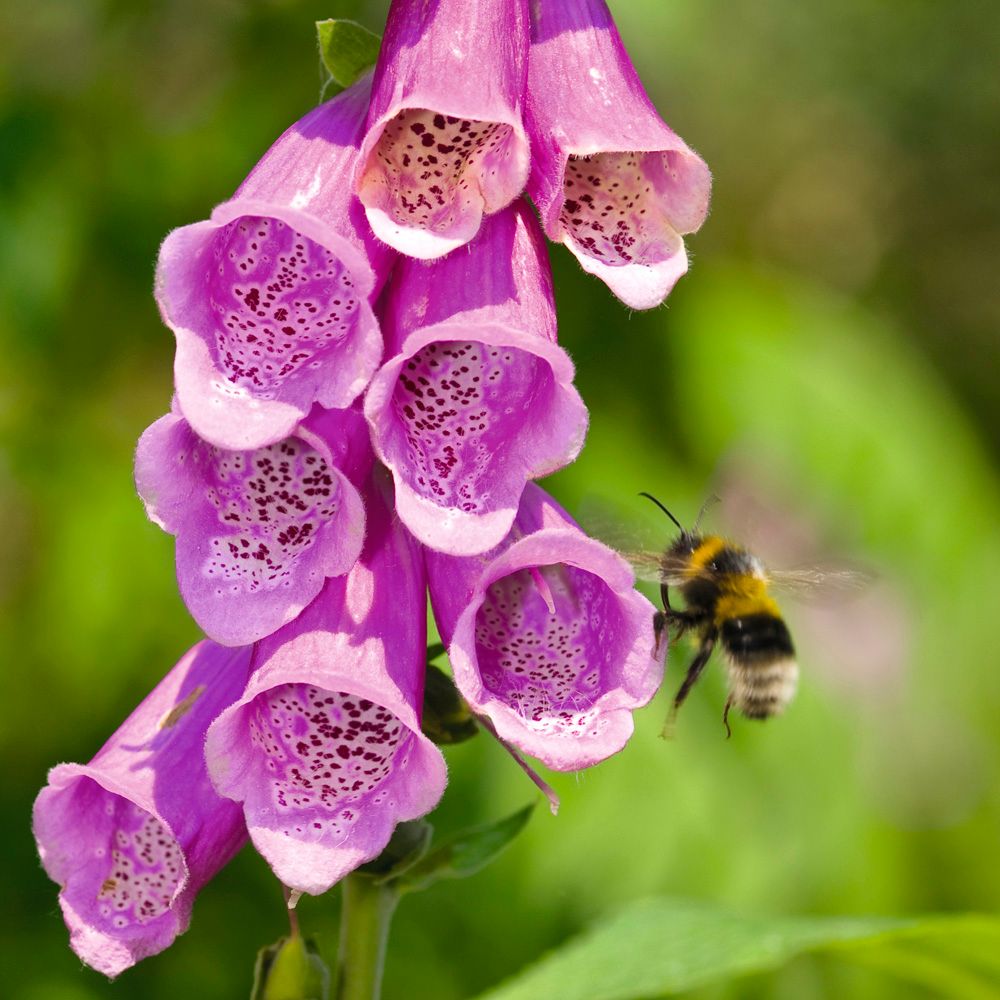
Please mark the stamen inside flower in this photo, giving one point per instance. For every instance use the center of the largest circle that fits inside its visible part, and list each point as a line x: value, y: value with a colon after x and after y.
x: 281, y: 303
x: 321, y: 752
x: 270, y: 504
x: 616, y: 207
x: 551, y: 667
x: 440, y: 173
x: 130, y: 867
x: 464, y: 412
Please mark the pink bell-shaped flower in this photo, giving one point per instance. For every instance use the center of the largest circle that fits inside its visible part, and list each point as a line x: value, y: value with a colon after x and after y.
x: 445, y: 144
x: 610, y: 179
x: 547, y: 637
x: 476, y: 396
x: 258, y: 531
x: 270, y: 298
x: 132, y: 836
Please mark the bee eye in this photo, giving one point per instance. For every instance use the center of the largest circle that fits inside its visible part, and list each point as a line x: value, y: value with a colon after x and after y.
x: 713, y: 566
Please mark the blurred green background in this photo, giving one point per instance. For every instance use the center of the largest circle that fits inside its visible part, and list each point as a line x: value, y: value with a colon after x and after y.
x: 829, y: 367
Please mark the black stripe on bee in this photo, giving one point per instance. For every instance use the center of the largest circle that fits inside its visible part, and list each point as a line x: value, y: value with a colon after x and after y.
x: 756, y: 638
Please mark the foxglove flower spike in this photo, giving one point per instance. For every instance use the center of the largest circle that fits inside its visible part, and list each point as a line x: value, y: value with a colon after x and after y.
x: 560, y: 686
x: 324, y: 749
x: 132, y: 836
x: 258, y: 531
x: 445, y: 144
x: 270, y: 298
x: 610, y: 179
x: 476, y: 397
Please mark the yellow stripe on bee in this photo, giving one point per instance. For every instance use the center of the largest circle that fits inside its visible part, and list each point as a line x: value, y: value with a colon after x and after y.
x: 743, y: 594
x: 703, y: 555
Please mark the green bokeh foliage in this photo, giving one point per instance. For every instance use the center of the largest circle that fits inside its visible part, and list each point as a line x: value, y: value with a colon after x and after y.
x: 832, y: 356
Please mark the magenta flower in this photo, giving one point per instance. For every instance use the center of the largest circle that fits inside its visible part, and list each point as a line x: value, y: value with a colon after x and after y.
x: 476, y: 397
x: 324, y: 749
x: 445, y: 144
x: 547, y: 637
x: 258, y: 532
x: 132, y: 836
x: 610, y: 179
x: 269, y: 299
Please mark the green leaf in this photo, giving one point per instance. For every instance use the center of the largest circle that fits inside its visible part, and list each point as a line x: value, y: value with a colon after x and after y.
x: 290, y: 969
x: 408, y: 844
x: 661, y: 947
x: 466, y: 853
x: 957, y: 957
x: 446, y: 717
x: 346, y: 50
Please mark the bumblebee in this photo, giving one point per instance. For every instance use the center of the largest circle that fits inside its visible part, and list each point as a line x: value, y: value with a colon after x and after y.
x: 726, y: 601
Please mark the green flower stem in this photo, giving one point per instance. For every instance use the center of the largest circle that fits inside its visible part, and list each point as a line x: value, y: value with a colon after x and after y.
x: 364, y: 933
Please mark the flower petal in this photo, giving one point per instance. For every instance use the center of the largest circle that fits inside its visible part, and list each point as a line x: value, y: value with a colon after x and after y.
x: 610, y: 179
x: 132, y: 836
x: 476, y: 397
x: 258, y: 532
x: 324, y: 749
x: 270, y: 298
x: 440, y: 154
x: 548, y: 637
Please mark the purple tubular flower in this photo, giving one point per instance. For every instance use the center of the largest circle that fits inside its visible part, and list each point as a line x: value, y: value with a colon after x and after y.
x: 445, y: 144
x: 477, y: 397
x: 132, y: 836
x: 547, y: 637
x: 324, y: 749
x: 258, y: 532
x: 270, y: 298
x: 610, y: 179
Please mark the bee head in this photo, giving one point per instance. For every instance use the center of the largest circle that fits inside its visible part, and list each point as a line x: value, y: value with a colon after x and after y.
x: 685, y: 544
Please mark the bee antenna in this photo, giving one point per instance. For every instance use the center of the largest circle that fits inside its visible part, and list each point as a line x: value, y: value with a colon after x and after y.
x: 713, y: 499
x: 649, y: 496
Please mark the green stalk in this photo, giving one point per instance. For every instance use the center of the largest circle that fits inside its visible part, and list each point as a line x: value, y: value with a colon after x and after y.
x: 366, y: 913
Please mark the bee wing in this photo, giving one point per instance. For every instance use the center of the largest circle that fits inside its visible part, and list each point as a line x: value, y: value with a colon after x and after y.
x: 824, y: 584
x: 655, y: 567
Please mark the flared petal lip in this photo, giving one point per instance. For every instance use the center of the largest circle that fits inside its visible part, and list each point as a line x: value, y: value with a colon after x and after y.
x: 639, y: 286
x: 312, y: 868
x: 469, y: 533
x: 562, y: 751
x: 301, y: 221
x: 200, y: 386
x: 331, y: 679
x: 421, y: 243
x: 107, y: 954
x: 641, y: 674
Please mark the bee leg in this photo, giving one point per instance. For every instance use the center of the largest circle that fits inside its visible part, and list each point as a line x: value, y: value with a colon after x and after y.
x: 725, y: 716
x: 693, y: 673
x: 681, y: 622
x: 659, y: 628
